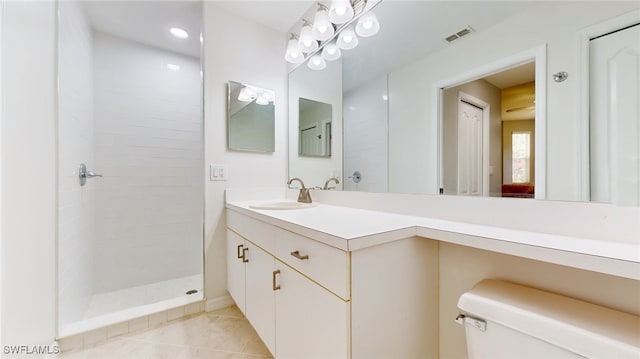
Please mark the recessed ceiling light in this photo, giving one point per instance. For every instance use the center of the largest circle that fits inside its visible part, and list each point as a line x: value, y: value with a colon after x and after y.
x: 179, y: 33
x: 173, y: 67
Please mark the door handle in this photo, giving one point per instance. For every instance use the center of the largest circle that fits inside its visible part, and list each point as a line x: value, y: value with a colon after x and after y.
x: 300, y: 257
x: 274, y: 280
x: 239, y: 251
x: 244, y: 255
x: 83, y: 174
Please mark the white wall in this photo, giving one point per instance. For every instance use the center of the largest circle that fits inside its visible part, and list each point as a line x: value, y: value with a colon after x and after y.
x: 365, y: 136
x: 413, y: 126
x: 29, y: 173
x: 148, y: 147
x: 242, y: 51
x: 323, y: 86
x: 75, y: 146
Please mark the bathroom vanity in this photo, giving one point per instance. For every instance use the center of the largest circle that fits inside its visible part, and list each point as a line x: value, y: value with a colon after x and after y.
x: 334, y: 281
x: 335, y: 302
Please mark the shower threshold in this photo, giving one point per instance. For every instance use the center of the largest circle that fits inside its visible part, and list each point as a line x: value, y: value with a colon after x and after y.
x: 120, y: 306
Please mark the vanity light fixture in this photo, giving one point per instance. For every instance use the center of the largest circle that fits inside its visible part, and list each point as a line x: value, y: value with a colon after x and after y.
x: 179, y: 33
x: 368, y: 25
x: 347, y: 39
x: 340, y: 18
x: 316, y: 62
x: 307, y: 42
x: 322, y: 27
x: 247, y: 94
x: 293, y: 54
x: 341, y: 11
x: 331, y: 51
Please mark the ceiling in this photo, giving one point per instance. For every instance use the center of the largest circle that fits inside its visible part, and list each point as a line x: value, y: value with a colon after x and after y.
x: 410, y: 30
x: 275, y: 14
x: 149, y: 22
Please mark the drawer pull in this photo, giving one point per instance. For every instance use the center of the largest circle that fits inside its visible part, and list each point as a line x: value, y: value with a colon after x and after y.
x: 239, y: 251
x: 244, y: 255
x: 274, y: 279
x: 297, y: 255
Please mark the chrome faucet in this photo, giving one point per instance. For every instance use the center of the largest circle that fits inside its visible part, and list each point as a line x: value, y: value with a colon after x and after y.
x: 334, y: 179
x: 304, y: 196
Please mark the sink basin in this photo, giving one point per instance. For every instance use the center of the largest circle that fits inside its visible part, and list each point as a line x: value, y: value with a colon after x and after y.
x: 282, y: 205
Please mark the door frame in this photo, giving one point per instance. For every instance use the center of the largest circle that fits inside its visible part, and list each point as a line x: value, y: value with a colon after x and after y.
x: 584, y: 48
x: 486, y: 119
x: 537, y: 54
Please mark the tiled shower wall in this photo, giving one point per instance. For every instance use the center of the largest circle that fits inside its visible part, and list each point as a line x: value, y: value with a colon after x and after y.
x: 75, y: 145
x: 148, y: 142
x: 365, y: 136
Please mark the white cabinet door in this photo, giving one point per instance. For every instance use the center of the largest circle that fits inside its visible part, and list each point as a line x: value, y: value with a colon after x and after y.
x: 311, y: 322
x: 235, y: 269
x: 260, y: 302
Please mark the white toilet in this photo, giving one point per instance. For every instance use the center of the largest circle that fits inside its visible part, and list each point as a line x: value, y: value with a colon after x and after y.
x: 505, y: 320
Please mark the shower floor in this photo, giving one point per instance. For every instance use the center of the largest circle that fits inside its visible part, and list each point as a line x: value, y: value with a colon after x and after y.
x: 122, y: 305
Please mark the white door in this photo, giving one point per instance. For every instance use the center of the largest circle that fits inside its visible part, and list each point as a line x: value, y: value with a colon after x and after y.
x: 235, y: 269
x: 615, y: 118
x: 260, y: 299
x: 469, y: 149
x: 311, y: 143
x: 311, y: 322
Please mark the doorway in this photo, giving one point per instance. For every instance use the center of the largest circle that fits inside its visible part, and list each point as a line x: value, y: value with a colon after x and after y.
x: 480, y: 119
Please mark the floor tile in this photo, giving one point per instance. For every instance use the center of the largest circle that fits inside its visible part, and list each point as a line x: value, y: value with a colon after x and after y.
x: 221, y: 334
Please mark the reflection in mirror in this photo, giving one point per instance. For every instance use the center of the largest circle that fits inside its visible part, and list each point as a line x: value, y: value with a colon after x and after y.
x: 319, y: 92
x: 400, y: 74
x: 315, y: 128
x: 488, y: 135
x: 251, y: 118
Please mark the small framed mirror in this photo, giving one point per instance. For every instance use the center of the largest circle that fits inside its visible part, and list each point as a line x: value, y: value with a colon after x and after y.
x: 314, y: 128
x: 250, y: 118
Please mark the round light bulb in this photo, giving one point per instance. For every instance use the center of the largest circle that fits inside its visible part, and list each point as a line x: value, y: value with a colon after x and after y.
x: 341, y: 11
x: 368, y: 25
x: 179, y: 33
x: 331, y: 51
x: 317, y: 63
x: 347, y: 39
x: 322, y: 28
x: 307, y: 42
x: 293, y: 54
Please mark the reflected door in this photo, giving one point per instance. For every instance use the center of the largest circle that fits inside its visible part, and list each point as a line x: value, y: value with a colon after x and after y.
x: 469, y: 149
x: 615, y: 117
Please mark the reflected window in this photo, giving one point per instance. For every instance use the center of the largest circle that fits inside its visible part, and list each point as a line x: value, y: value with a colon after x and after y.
x: 521, y: 159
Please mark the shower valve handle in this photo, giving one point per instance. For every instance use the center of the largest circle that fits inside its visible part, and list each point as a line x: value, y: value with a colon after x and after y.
x: 83, y: 174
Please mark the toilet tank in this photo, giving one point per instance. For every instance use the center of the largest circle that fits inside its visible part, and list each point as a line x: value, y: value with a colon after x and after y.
x: 506, y: 320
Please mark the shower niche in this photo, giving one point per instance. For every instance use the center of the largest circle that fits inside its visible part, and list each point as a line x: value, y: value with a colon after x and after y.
x: 130, y: 108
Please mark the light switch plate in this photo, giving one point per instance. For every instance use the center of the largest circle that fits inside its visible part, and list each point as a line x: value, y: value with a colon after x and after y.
x: 218, y: 173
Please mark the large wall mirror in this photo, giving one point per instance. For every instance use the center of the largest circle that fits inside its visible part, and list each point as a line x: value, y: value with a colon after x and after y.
x: 250, y: 118
x: 407, y: 91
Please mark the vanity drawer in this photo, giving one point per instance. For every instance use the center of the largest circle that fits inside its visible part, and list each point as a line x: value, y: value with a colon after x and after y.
x: 326, y: 265
x: 260, y: 233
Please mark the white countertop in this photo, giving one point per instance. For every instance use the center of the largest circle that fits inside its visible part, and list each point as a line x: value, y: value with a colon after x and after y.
x: 352, y: 229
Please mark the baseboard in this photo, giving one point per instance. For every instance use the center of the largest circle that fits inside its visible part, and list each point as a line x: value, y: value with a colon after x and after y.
x: 219, y: 303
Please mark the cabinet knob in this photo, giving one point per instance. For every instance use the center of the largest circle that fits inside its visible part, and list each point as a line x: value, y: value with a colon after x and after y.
x: 274, y: 279
x: 300, y: 257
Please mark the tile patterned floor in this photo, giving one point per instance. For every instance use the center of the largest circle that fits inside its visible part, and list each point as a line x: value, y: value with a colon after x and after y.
x: 221, y: 334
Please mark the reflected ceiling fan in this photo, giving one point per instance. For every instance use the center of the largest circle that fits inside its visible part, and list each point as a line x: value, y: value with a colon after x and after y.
x: 522, y: 108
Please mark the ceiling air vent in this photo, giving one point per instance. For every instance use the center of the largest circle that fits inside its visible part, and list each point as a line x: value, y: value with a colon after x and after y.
x: 459, y: 34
